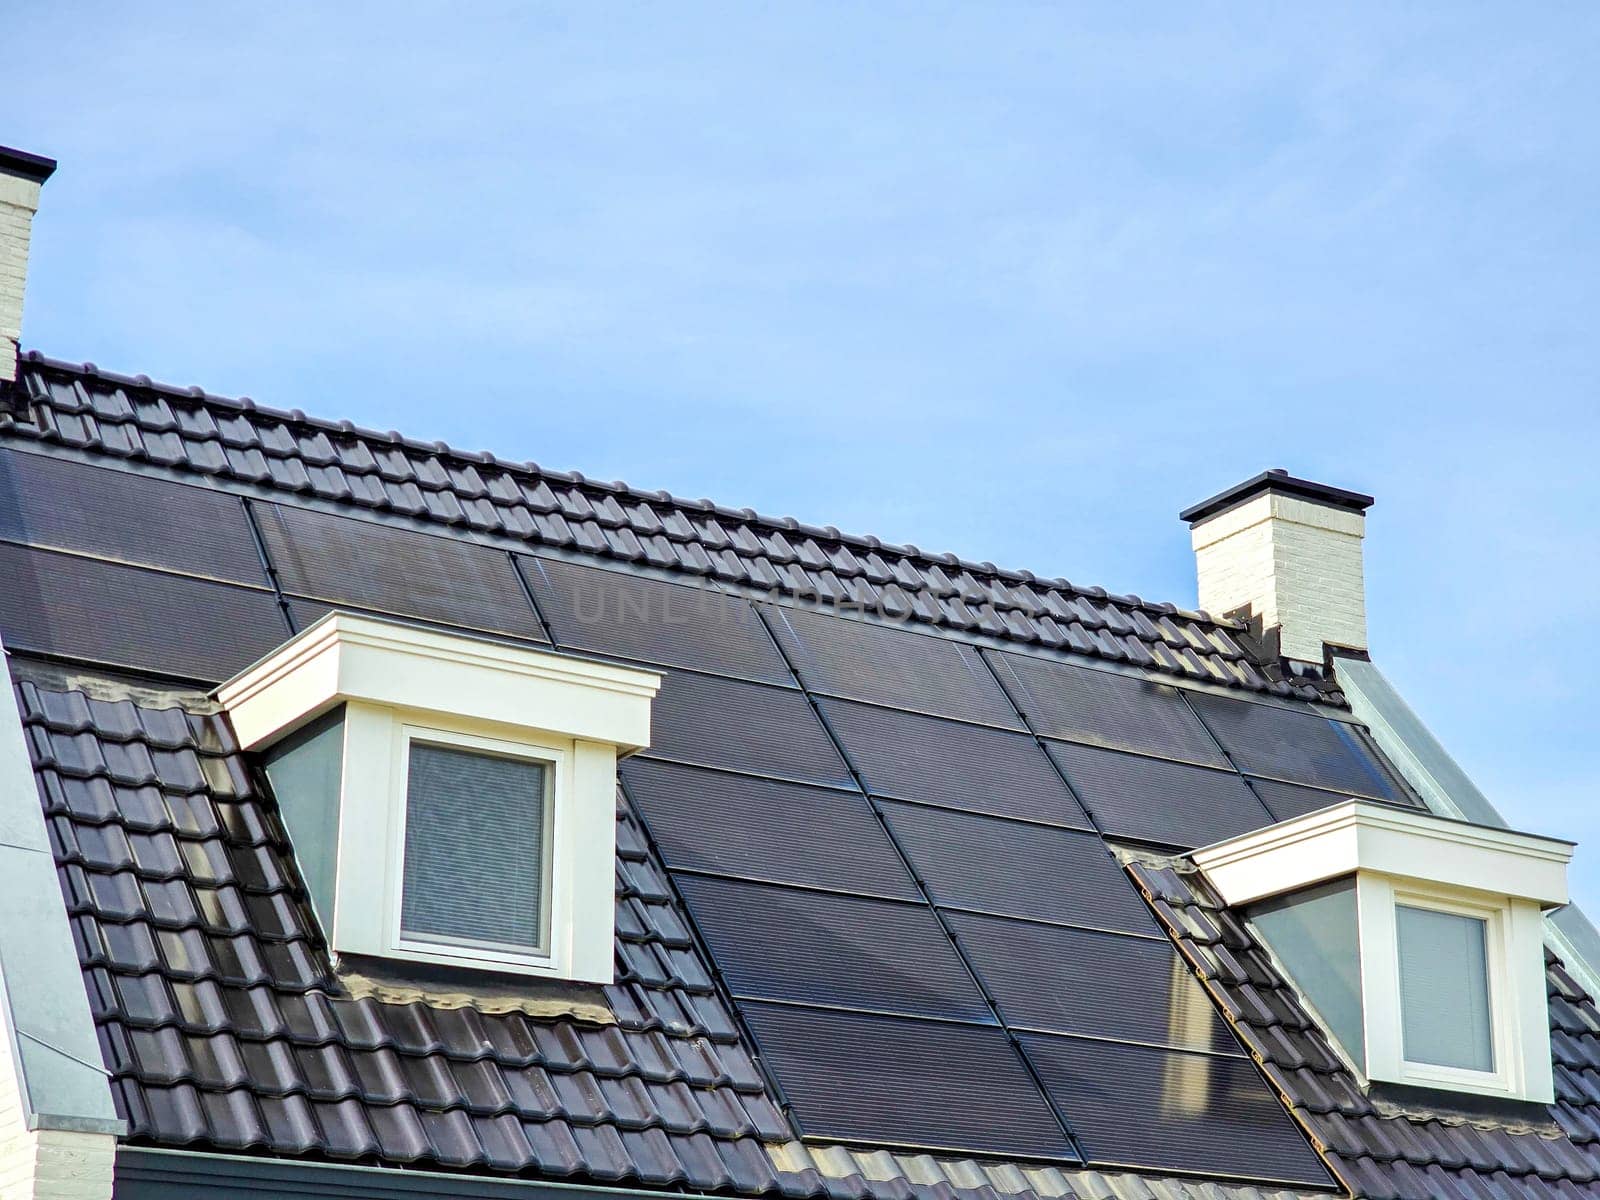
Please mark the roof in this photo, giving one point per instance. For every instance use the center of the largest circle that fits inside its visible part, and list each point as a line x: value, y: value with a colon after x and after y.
x: 958, y: 991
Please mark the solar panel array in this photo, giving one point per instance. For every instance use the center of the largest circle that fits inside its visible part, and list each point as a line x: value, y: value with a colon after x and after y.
x: 892, y: 842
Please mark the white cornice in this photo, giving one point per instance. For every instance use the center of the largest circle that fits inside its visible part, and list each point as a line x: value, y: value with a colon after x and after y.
x: 346, y: 657
x: 1359, y: 835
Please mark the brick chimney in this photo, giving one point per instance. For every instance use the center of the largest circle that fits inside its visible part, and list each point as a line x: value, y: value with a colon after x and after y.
x: 21, y: 176
x: 1286, y: 552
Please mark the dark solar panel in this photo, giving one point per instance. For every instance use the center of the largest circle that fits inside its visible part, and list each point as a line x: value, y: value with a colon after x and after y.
x: 776, y: 943
x: 844, y: 656
x: 1017, y: 869
x: 1286, y: 800
x: 901, y: 1082
x: 1079, y: 981
x: 628, y: 616
x: 117, y: 514
x: 363, y: 563
x: 733, y: 824
x: 1106, y: 709
x: 743, y: 727
x: 1141, y: 1107
x: 909, y: 757
x: 1300, y: 746
x: 133, y: 617
x: 1159, y: 801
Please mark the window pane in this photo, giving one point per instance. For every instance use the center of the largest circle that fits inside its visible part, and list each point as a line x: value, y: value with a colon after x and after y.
x: 1444, y: 989
x: 474, y: 859
x: 1314, y: 933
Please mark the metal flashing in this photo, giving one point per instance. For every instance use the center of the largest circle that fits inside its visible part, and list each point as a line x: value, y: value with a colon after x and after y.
x: 1280, y: 481
x: 43, y: 1007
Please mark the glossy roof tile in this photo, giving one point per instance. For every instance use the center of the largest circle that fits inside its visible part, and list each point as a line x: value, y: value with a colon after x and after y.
x: 226, y: 442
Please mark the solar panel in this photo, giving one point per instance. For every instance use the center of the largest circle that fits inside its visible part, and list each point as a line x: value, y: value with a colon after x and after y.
x: 851, y: 657
x: 776, y: 943
x: 1158, y: 801
x: 629, y: 616
x: 121, y: 515
x: 1106, y: 709
x: 1017, y: 869
x: 447, y: 580
x: 1065, y: 980
x: 1137, y: 1106
x: 735, y: 825
x: 1286, y: 800
x: 894, y: 1081
x: 715, y: 722
x: 910, y: 757
x: 1297, y: 745
x: 133, y: 617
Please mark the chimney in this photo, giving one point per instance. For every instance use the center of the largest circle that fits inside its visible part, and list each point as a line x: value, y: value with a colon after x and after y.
x: 1286, y: 552
x: 21, y: 176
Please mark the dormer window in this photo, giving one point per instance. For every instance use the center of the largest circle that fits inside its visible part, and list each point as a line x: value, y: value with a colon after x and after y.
x: 1418, y: 940
x: 451, y: 800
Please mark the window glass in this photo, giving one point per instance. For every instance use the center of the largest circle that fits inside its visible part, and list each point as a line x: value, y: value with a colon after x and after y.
x: 475, y: 871
x: 1314, y: 935
x: 1444, y: 988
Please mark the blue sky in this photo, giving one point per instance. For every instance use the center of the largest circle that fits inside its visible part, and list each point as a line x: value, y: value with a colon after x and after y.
x: 1014, y: 280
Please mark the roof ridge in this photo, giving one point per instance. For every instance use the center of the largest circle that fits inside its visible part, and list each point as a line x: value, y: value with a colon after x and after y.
x: 784, y: 524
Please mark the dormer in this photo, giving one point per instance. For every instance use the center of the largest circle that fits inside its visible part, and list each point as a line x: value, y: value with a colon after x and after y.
x: 451, y: 799
x: 1418, y: 940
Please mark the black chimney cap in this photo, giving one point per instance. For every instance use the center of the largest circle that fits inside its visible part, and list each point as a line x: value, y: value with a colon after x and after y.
x: 29, y: 166
x: 1280, y: 481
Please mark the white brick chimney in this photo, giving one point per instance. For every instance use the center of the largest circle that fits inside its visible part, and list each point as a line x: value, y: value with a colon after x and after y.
x: 21, y: 177
x: 1287, y: 552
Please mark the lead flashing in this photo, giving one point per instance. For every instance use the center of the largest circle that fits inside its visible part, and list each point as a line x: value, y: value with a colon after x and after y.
x: 1280, y: 481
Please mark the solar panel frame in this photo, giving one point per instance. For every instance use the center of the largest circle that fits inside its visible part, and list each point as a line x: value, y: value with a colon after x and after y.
x: 387, y: 569
x: 909, y: 1083
x: 908, y: 756
x: 970, y: 860
x: 1104, y: 708
x: 128, y: 517
x: 1155, y: 800
x: 1079, y: 981
x: 633, y: 617
x: 1135, y: 1106
x: 823, y: 948
x: 714, y: 821
x: 858, y: 659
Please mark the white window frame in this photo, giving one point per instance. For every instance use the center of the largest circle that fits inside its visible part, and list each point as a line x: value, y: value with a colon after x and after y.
x: 555, y: 898
x: 369, y: 874
x: 1379, y: 899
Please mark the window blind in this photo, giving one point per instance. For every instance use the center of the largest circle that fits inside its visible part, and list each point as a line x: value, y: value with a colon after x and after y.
x: 1444, y: 989
x: 474, y: 848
